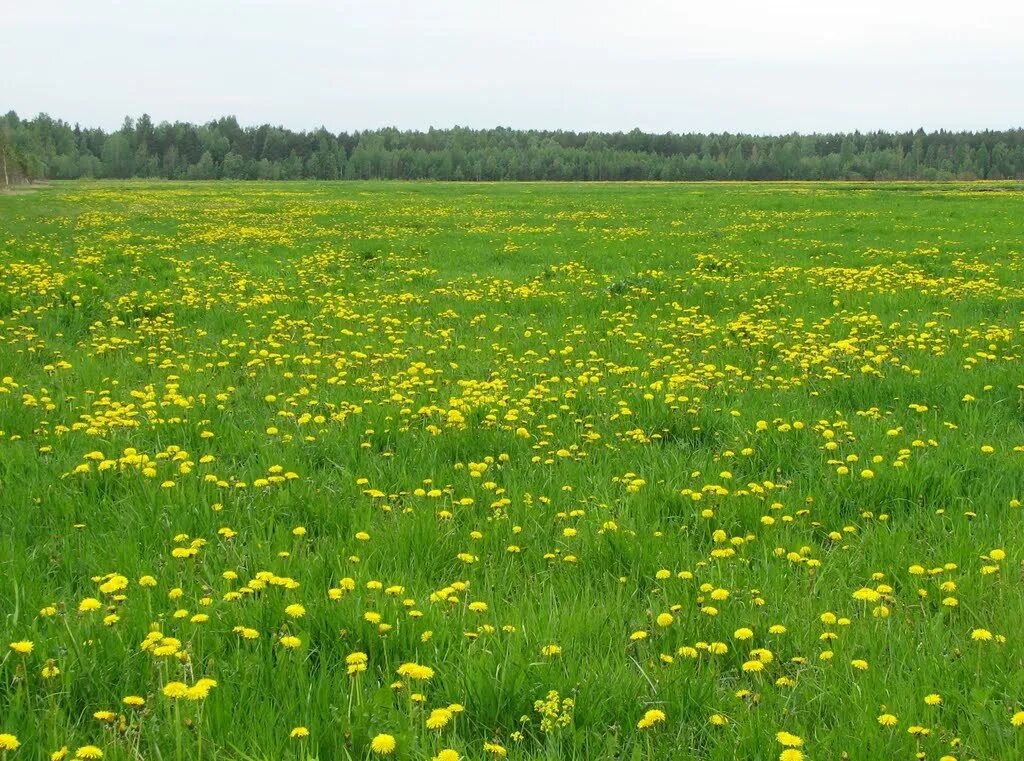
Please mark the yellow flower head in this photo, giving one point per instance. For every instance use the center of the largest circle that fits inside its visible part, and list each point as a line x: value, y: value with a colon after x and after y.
x: 9, y: 742
x: 383, y: 745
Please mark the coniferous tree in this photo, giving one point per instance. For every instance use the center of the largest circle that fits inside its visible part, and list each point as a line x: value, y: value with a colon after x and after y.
x: 46, y: 147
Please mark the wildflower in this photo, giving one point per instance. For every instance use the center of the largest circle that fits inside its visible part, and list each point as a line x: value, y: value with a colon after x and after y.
x: 89, y: 752
x: 383, y: 745
x: 866, y: 594
x: 439, y: 718
x: 415, y: 671
x: 8, y: 742
x: 24, y: 647
x: 887, y: 720
x: 356, y: 663
x: 299, y: 733
x: 175, y: 690
x: 650, y: 718
x: 88, y: 605
x: 201, y: 689
x: 788, y: 739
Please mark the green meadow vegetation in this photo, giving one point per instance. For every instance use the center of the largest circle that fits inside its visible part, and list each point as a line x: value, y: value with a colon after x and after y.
x: 537, y: 471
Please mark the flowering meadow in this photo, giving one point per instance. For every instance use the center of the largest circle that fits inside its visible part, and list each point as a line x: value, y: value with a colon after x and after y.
x: 455, y: 471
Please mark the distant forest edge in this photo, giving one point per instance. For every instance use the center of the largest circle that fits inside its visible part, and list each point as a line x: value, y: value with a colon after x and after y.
x: 47, y: 148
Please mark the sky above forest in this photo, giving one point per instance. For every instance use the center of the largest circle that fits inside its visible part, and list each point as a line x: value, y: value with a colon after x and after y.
x: 660, y: 65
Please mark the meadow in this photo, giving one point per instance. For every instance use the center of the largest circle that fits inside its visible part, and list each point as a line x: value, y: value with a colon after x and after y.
x: 525, y: 471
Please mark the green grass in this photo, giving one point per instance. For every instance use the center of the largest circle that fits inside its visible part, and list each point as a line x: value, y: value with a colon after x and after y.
x: 668, y: 370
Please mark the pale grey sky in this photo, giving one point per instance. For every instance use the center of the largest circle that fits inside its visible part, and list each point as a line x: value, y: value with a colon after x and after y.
x: 683, y: 66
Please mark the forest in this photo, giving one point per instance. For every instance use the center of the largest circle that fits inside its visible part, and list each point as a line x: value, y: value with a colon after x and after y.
x: 46, y: 148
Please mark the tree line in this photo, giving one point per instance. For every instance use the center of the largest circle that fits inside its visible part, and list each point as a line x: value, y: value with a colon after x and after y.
x: 43, y: 147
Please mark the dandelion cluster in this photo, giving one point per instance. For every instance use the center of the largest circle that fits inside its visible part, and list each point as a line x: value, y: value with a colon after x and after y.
x: 445, y: 472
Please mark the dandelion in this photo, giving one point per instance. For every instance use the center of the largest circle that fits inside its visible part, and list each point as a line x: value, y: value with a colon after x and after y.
x: 8, y: 742
x: 175, y: 690
x: 201, y: 689
x: 383, y: 745
x: 651, y: 718
x: 866, y: 594
x: 439, y: 718
x: 788, y: 739
x: 416, y: 671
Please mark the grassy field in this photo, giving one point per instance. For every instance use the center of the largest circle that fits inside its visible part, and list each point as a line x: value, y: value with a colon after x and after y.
x: 340, y: 471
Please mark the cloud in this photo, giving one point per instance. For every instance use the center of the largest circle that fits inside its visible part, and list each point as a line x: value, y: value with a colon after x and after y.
x: 681, y: 66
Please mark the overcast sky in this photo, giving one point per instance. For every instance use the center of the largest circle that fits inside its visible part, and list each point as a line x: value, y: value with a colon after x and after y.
x: 661, y: 65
